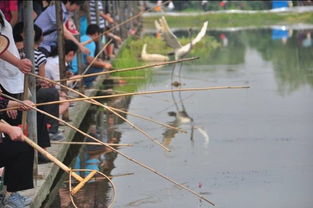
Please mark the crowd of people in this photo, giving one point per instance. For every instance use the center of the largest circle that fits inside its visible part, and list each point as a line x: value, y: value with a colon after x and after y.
x: 16, y: 157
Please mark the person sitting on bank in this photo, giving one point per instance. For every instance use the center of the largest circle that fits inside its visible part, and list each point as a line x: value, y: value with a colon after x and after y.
x: 93, y: 33
x: 53, y: 70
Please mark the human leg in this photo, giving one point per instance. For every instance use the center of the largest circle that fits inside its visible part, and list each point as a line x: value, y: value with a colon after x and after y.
x: 17, y: 158
x: 48, y: 95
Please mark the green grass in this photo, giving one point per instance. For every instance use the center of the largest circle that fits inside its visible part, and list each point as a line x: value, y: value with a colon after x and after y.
x: 233, y: 20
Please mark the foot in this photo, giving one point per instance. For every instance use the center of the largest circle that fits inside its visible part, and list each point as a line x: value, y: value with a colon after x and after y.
x: 27, y: 200
x: 15, y: 200
x: 42, y: 159
x: 56, y: 136
x: 1, y: 199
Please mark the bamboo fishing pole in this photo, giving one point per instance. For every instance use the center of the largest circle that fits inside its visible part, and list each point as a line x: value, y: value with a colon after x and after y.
x: 108, y: 146
x: 82, y: 181
x: 106, y: 107
x: 43, y: 151
x: 126, y: 21
x: 135, y: 93
x: 127, y: 69
x: 149, y: 119
x: 92, y: 143
x: 140, y: 116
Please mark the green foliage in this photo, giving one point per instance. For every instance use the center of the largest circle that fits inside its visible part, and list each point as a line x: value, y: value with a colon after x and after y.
x: 223, y: 20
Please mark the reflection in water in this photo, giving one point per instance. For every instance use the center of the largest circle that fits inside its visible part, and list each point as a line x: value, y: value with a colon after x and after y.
x: 97, y: 192
x: 292, y: 59
x: 292, y: 65
x: 181, y: 116
x: 281, y: 33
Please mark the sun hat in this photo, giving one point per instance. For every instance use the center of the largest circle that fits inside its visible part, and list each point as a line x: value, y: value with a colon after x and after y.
x: 4, y: 43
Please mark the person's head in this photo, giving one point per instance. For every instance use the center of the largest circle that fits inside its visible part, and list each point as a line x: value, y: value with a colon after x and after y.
x: 73, y: 5
x: 93, y: 31
x: 70, y: 50
x: 38, y: 34
x: 18, y: 32
x: 18, y: 38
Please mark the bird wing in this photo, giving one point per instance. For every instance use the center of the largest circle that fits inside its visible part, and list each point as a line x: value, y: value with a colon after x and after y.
x: 200, y: 34
x: 157, y: 26
x: 170, y: 39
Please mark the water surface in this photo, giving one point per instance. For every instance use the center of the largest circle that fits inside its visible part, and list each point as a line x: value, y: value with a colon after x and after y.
x: 243, y: 148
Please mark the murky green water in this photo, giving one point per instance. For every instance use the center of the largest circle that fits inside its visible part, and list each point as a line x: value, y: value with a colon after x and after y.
x: 245, y: 147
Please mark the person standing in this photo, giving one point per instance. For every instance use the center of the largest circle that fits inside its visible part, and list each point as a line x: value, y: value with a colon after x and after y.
x: 17, y: 157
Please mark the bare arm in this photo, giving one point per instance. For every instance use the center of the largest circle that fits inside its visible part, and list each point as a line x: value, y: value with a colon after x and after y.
x: 14, y: 132
x: 70, y: 36
x: 98, y: 63
x: 20, y: 105
x: 107, y: 17
x: 24, y: 65
x: 42, y: 70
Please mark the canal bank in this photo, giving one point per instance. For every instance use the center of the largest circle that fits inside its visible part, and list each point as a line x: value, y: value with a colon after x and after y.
x: 47, y: 172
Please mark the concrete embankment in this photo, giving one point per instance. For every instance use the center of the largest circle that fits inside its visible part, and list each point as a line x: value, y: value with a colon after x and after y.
x: 47, y: 173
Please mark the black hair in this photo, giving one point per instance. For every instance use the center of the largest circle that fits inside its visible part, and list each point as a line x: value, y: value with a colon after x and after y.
x: 38, y: 33
x: 79, y: 3
x: 17, y: 32
x: 70, y: 46
x: 17, y: 37
x: 92, y: 29
x: 1, y: 21
x: 18, y: 29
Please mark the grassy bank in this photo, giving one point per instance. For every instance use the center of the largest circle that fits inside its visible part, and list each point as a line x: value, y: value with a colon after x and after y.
x: 221, y: 20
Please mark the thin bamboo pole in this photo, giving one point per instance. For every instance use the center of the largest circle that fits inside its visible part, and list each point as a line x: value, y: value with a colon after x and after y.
x: 136, y: 93
x: 106, y: 107
x: 122, y: 154
x: 129, y: 69
x: 149, y: 119
x: 92, y: 143
x: 47, y: 154
x: 142, y: 117
x: 111, y: 176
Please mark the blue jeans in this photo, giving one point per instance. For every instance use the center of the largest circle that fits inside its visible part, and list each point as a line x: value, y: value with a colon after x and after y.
x: 88, y: 80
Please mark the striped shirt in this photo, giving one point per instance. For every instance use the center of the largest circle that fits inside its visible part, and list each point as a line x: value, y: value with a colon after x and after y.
x: 39, y: 58
x: 93, y: 13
